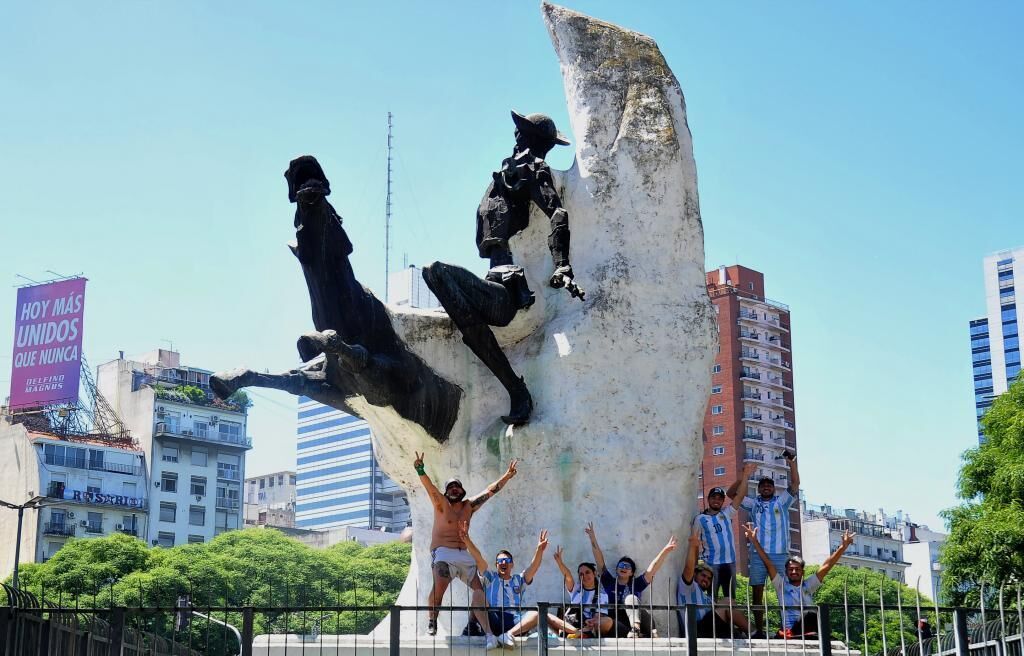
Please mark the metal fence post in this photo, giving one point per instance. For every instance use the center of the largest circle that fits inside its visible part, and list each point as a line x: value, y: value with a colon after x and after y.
x: 963, y: 647
x: 542, y: 628
x: 824, y: 630
x: 116, y: 630
x: 247, y: 631
x: 395, y: 632
x: 691, y: 629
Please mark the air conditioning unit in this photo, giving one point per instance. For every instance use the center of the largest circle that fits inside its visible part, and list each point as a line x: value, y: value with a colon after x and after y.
x: 156, y: 542
x: 188, y: 432
x: 199, y: 497
x: 83, y: 523
x: 214, y: 419
x: 71, y: 515
x: 118, y: 527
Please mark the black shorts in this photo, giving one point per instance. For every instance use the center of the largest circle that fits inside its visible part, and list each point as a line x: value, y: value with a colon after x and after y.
x: 713, y: 626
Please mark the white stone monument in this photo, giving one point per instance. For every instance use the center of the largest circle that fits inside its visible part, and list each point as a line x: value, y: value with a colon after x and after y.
x: 621, y: 381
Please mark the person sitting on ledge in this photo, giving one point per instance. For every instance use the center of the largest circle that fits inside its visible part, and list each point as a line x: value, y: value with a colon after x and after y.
x: 504, y: 590
x: 695, y: 590
x: 588, y: 601
x: 625, y: 589
x: 795, y: 593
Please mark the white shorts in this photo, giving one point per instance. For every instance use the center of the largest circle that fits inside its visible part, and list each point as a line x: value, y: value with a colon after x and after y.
x: 459, y: 561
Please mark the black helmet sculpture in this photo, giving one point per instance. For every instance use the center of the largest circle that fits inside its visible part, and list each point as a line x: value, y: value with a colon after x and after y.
x: 539, y: 125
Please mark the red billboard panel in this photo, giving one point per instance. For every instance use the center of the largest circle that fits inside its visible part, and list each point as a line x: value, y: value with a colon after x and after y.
x: 47, y: 343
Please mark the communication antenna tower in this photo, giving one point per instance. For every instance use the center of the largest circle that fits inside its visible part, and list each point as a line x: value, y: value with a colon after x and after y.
x: 387, y: 221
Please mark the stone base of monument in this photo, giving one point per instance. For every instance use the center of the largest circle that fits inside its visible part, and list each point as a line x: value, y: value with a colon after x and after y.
x: 365, y: 645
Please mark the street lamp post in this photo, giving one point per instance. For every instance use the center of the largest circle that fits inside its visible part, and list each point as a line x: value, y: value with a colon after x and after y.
x: 35, y: 503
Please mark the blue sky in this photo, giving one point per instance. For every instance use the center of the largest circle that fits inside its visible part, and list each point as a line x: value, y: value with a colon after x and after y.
x: 864, y: 156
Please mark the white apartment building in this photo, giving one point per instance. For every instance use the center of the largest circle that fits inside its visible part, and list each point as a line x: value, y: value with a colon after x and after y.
x: 270, y: 500
x: 94, y: 487
x: 877, y: 546
x: 195, y: 444
x: 407, y: 287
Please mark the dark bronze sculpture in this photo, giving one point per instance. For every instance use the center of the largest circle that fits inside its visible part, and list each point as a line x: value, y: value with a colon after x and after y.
x: 475, y: 304
x: 356, y: 350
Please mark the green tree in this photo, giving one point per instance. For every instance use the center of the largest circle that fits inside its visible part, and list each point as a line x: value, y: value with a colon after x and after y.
x: 986, y: 540
x: 254, y: 567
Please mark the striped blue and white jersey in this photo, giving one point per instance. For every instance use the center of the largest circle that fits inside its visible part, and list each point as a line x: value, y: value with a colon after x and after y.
x: 693, y: 595
x: 771, y: 517
x: 795, y: 599
x: 500, y: 593
x: 717, y: 533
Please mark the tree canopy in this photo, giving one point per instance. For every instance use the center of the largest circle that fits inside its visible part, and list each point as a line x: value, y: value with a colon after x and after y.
x: 986, y: 540
x: 253, y: 567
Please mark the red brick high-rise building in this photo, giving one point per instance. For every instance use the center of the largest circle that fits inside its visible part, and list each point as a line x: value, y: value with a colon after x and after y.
x: 750, y: 414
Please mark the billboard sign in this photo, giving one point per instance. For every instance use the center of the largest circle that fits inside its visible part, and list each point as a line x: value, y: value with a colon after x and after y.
x: 47, y: 343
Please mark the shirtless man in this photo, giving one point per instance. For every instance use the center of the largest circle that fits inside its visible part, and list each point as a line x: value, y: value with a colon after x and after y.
x: 449, y: 556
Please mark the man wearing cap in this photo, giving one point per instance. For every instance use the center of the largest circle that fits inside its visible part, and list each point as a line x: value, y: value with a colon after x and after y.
x: 769, y: 512
x: 715, y: 526
x: 475, y: 304
x: 449, y: 556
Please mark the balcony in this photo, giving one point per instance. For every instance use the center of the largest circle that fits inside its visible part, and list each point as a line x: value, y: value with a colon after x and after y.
x: 777, y: 362
x: 753, y: 457
x: 224, y: 503
x: 751, y: 396
x: 753, y: 416
x: 779, y: 402
x: 129, y: 531
x: 775, y: 341
x: 777, y: 381
x: 748, y: 334
x: 207, y: 437
x: 61, y: 529
x: 93, y: 527
x: 229, y: 474
x: 92, y: 465
x: 783, y: 422
x: 749, y: 355
x: 750, y: 375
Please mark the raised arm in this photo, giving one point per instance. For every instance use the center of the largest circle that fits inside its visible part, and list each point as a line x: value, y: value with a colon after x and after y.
x: 794, y: 475
x: 659, y: 560
x: 751, y: 532
x: 538, y: 554
x: 492, y: 489
x: 740, y: 485
x: 570, y: 582
x: 595, y: 547
x: 435, y: 495
x: 692, y: 549
x: 831, y: 561
x: 481, y: 562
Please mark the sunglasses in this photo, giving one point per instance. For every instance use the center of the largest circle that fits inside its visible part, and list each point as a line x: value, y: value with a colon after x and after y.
x: 503, y: 561
x: 624, y: 565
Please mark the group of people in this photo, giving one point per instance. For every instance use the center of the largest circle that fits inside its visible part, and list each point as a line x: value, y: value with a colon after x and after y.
x: 600, y: 603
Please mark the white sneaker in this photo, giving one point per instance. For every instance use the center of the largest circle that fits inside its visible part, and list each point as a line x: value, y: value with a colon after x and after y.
x: 507, y: 641
x: 492, y: 642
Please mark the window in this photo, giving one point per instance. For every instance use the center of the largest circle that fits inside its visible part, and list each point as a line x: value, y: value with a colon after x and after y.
x: 199, y: 458
x: 128, y: 489
x: 263, y: 483
x: 168, y: 481
x: 198, y: 487
x: 93, y: 486
x: 1009, y: 313
x: 95, y: 459
x: 716, y: 389
x: 719, y: 471
x: 94, y: 523
x: 197, y: 515
x: 196, y: 539
x: 165, y: 539
x: 201, y: 428
x: 1011, y: 343
x: 291, y: 479
x: 271, y: 481
x: 750, y: 285
x: 128, y: 524
x: 718, y: 430
x: 718, y: 451
x: 717, y: 410
x: 717, y: 369
x: 229, y: 431
x: 170, y: 454
x: 168, y: 511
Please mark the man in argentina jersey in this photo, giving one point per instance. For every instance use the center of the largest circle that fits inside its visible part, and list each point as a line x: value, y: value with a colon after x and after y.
x: 715, y: 526
x: 504, y: 591
x: 769, y: 512
x: 795, y: 593
x: 695, y: 590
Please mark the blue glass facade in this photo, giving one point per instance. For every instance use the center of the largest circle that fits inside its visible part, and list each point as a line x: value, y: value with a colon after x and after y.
x: 981, y: 359
x: 338, y: 481
x: 995, y: 344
